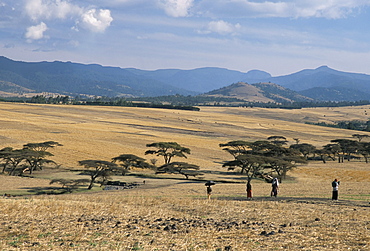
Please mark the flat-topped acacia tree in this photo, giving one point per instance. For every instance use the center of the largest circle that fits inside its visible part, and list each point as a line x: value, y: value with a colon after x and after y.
x: 251, y: 165
x: 254, y: 158
x: 41, y: 146
x: 347, y: 147
x: 304, y: 148
x: 130, y: 160
x: 31, y: 157
x: 12, y: 158
x: 168, y: 150
x: 277, y: 140
x: 182, y: 168
x: 360, y: 137
x: 36, y: 154
x: 237, y: 147
x: 98, y: 168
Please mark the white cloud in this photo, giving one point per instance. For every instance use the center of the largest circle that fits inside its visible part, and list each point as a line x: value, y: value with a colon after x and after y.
x: 91, y: 19
x: 50, y: 9
x: 36, y: 32
x: 329, y: 9
x: 97, y: 21
x: 176, y: 8
x: 120, y: 2
x: 222, y: 27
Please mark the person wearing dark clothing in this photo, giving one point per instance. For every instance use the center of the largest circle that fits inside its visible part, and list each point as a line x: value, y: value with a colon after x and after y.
x: 209, y: 192
x: 249, y: 189
x: 209, y: 188
x: 335, y: 185
x: 275, y: 187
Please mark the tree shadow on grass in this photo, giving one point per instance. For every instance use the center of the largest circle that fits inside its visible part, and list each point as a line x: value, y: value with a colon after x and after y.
x: 222, y: 172
x: 45, y: 190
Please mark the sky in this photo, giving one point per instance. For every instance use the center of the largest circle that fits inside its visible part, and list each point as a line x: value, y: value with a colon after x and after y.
x: 276, y: 36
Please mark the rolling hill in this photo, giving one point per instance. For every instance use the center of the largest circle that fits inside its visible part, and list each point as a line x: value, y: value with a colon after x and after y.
x: 78, y: 79
x: 202, y: 79
x: 66, y: 78
x: 261, y: 92
x: 337, y: 85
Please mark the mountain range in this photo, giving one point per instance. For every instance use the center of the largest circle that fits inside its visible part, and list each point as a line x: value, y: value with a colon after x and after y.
x: 19, y: 78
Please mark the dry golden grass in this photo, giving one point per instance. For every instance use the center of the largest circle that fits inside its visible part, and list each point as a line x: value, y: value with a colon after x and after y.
x: 172, y: 214
x: 181, y: 218
x: 105, y: 132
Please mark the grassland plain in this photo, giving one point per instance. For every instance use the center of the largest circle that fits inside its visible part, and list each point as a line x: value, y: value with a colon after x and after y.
x: 174, y: 214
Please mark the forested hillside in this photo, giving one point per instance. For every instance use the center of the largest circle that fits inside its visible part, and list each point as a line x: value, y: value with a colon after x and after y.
x: 73, y: 79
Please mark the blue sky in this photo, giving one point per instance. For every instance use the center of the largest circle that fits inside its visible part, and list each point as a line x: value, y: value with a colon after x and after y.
x: 280, y: 37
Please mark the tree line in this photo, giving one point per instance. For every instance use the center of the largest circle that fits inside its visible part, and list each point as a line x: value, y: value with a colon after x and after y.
x: 106, y: 101
x: 357, y: 125
x: 262, y: 159
x: 179, y: 102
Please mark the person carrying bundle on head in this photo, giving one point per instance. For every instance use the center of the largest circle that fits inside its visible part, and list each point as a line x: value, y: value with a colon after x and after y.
x: 209, y: 188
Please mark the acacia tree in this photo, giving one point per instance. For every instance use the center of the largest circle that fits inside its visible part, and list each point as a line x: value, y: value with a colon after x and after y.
x: 36, y: 159
x: 251, y: 165
x: 304, y: 148
x: 253, y: 158
x: 182, y: 168
x: 278, y: 158
x: 283, y: 164
x: 168, y: 150
x: 98, y: 168
x: 36, y: 154
x: 322, y: 153
x: 270, y: 149
x: 41, y: 146
x: 130, y: 160
x: 23, y: 159
x: 364, y: 150
x: 264, y: 147
x: 347, y: 147
x: 12, y: 158
x: 331, y: 150
x: 359, y: 137
x: 277, y: 140
x: 237, y: 147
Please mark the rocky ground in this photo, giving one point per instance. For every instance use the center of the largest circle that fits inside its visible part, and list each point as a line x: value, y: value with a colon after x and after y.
x: 129, y: 220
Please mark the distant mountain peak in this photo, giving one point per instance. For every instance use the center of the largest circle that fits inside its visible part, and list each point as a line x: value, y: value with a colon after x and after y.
x: 257, y: 74
x: 324, y: 68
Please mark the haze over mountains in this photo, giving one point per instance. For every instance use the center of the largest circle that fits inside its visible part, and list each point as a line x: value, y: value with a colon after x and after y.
x: 66, y: 78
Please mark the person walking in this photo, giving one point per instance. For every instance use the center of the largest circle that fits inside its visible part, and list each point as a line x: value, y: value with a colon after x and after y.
x: 249, y: 189
x: 209, y: 192
x: 335, y: 185
x: 209, y: 188
x: 275, y: 187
